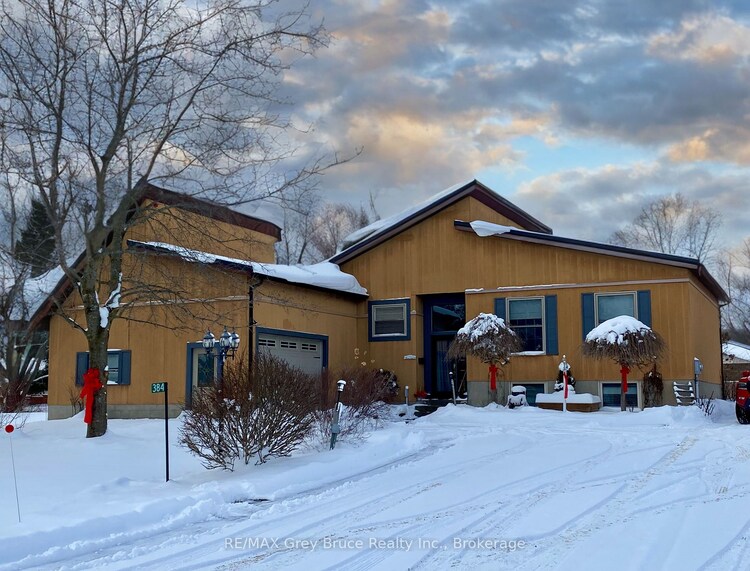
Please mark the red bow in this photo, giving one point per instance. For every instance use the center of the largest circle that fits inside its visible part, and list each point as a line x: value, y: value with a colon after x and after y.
x: 91, y: 384
x: 624, y: 376
x: 493, y: 377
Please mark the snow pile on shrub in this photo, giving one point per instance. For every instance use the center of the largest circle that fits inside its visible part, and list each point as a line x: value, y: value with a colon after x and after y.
x: 486, y: 337
x: 615, y: 330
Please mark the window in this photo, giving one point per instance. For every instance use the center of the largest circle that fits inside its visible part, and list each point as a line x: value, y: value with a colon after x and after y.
x: 611, y: 394
x: 534, y: 319
x: 609, y: 305
x: 118, y: 364
x: 526, y: 318
x: 206, y: 370
x: 389, y: 320
x: 532, y: 389
x: 288, y: 345
x: 266, y: 342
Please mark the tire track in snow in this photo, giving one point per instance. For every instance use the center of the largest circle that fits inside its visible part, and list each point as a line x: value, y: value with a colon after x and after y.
x: 600, y: 515
x: 141, y: 543
x: 490, y: 526
x: 458, y: 511
x: 367, y: 509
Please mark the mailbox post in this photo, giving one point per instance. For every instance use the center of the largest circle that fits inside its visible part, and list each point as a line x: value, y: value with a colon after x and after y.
x: 163, y: 387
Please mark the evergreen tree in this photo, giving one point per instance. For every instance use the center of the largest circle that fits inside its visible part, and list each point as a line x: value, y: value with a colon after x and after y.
x: 36, y: 246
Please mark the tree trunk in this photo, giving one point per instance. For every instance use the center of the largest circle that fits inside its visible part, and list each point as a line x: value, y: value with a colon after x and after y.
x: 623, y: 401
x: 98, y: 342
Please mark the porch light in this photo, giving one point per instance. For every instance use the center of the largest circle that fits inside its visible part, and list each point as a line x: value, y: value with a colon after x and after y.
x: 209, y: 341
x: 234, y: 341
x: 225, y: 341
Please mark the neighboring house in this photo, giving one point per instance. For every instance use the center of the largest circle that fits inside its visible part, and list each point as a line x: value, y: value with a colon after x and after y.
x: 423, y: 274
x: 736, y: 358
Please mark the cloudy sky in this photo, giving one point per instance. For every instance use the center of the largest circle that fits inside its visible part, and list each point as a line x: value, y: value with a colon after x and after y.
x: 577, y: 111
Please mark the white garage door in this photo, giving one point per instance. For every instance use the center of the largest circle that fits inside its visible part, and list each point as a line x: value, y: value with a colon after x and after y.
x: 301, y: 352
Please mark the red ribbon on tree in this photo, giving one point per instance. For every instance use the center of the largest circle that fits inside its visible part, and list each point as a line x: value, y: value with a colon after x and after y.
x: 624, y: 373
x: 91, y: 384
x: 493, y: 377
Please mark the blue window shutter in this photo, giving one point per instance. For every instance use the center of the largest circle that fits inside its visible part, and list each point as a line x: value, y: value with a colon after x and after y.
x: 124, y: 371
x: 82, y: 365
x: 587, y: 312
x: 644, y: 307
x: 550, y: 323
x: 500, y: 307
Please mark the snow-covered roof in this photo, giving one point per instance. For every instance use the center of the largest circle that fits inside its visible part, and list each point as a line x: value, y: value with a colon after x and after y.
x: 325, y: 275
x: 486, y: 229
x: 399, y: 217
x: 380, y: 230
x: 38, y: 289
x: 736, y: 351
x: 612, y: 331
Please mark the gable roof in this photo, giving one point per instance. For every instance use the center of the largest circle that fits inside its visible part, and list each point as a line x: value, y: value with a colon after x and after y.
x: 485, y: 229
x: 63, y: 286
x: 211, y: 210
x: 379, y: 231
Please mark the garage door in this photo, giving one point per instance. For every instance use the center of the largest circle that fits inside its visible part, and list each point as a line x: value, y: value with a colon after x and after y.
x: 301, y: 352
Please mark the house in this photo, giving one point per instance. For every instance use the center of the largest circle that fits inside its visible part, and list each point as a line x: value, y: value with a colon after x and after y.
x: 394, y: 298
x: 736, y: 359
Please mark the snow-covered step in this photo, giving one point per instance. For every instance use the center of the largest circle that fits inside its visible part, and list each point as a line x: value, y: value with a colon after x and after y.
x: 683, y: 392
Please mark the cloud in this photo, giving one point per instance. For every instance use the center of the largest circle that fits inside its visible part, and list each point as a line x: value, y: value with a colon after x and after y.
x: 438, y: 92
x: 706, y: 38
x: 593, y: 203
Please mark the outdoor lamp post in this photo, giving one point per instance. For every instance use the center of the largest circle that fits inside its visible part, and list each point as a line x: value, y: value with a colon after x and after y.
x: 335, y: 427
x: 228, y: 344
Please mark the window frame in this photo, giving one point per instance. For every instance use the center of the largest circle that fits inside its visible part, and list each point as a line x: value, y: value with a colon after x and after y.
x: 121, y: 382
x: 543, y: 325
x: 526, y: 385
x: 633, y: 294
x: 618, y: 384
x: 405, y: 303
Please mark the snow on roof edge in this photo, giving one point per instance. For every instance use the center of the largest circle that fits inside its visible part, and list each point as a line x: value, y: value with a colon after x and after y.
x: 359, y: 235
x: 325, y: 274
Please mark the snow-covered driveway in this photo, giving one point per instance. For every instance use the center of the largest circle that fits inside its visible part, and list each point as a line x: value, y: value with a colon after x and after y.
x: 464, y: 488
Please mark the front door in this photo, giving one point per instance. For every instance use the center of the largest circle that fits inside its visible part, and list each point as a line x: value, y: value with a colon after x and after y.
x: 444, y: 316
x: 202, y: 370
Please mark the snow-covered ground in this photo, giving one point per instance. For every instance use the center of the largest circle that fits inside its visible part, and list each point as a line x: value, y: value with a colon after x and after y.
x: 464, y: 488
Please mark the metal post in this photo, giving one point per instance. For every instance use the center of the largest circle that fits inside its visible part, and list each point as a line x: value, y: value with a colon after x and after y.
x: 453, y: 387
x: 166, y: 427
x: 335, y: 426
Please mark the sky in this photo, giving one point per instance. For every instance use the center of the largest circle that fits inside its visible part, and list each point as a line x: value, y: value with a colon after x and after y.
x: 579, y: 112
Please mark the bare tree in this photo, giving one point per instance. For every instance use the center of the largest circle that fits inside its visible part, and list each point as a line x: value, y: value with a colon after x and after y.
x: 314, y: 231
x: 334, y: 223
x: 300, y: 218
x: 97, y: 97
x: 21, y: 351
x: 734, y: 270
x: 673, y: 225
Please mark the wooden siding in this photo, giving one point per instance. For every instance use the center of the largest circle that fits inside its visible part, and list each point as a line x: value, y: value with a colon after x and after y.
x: 681, y: 327
x: 158, y: 334
x: 433, y: 257
x: 190, y: 230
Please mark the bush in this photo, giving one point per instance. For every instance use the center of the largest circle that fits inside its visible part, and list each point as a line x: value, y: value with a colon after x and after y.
x: 363, y: 402
x: 707, y: 405
x: 266, y: 414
